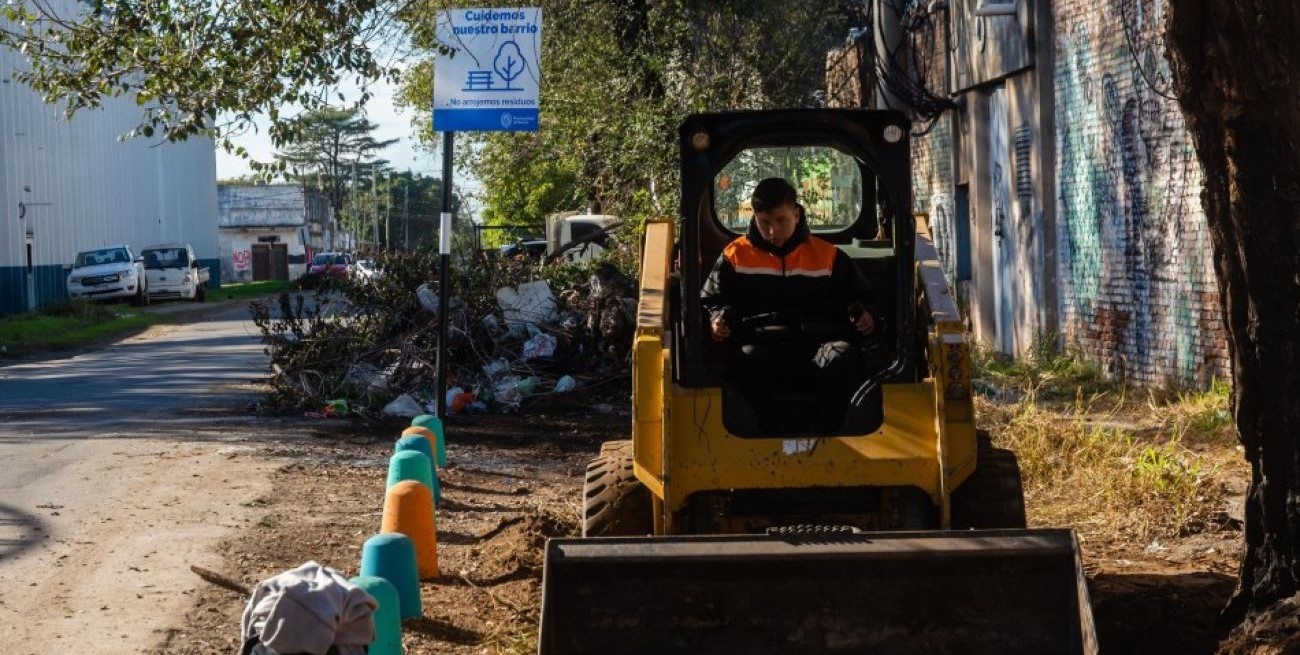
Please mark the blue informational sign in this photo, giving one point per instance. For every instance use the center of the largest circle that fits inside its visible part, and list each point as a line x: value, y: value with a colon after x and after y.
x: 490, y: 83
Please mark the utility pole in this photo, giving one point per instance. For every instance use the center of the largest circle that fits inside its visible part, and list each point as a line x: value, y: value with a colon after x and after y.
x: 406, y: 216
x: 353, y: 193
x: 888, y: 33
x: 374, y: 197
x: 388, y: 214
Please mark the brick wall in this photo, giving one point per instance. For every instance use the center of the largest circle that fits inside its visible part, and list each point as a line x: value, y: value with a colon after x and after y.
x: 1136, y: 281
x: 933, y: 185
x: 1135, y: 285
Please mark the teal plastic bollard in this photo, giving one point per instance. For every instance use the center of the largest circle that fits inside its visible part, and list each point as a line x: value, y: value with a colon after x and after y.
x: 388, y: 618
x: 418, y: 443
x: 391, y: 556
x: 410, y: 465
x: 434, y: 424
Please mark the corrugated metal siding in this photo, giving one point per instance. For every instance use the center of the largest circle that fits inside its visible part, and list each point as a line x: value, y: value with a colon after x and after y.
x: 72, y: 185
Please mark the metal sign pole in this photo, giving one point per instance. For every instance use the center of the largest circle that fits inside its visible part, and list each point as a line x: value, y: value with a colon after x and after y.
x: 444, y: 264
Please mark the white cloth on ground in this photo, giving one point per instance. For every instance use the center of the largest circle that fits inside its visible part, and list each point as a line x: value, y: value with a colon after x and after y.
x: 309, y: 609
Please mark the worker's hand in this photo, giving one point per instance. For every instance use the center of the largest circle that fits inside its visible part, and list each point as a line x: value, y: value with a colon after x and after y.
x: 865, y: 324
x: 718, y: 329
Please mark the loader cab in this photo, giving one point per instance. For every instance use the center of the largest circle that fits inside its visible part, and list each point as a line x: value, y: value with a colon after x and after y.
x: 851, y: 170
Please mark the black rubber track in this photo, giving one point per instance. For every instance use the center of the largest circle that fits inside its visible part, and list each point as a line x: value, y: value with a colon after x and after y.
x: 992, y: 497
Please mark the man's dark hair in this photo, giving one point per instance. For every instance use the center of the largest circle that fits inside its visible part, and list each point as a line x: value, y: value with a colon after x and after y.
x: 772, y: 192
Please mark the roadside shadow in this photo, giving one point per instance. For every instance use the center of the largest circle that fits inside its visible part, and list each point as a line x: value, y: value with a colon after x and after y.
x: 19, y: 531
x: 467, y: 488
x: 1153, y: 613
x: 449, y: 505
x: 443, y: 631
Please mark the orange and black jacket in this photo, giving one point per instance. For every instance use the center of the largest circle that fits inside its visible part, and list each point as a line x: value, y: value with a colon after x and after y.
x: 806, y: 279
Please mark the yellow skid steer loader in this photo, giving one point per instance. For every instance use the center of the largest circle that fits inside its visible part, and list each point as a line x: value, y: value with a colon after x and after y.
x: 719, y: 528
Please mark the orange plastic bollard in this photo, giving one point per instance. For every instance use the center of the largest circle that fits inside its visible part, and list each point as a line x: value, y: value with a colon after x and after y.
x: 433, y: 439
x: 408, y: 509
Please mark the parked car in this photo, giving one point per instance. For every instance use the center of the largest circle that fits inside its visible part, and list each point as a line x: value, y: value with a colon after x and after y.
x: 366, y: 269
x: 109, y: 272
x: 337, y: 264
x: 527, y: 249
x: 173, y: 271
x: 579, y: 238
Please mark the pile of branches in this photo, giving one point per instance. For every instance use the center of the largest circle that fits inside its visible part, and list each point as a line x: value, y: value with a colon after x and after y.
x: 360, y: 343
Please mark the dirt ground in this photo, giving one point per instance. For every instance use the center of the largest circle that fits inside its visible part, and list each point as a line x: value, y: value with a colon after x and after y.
x: 513, y: 481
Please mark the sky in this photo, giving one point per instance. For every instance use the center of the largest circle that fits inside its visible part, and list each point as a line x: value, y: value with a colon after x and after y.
x: 392, y: 123
x: 406, y: 154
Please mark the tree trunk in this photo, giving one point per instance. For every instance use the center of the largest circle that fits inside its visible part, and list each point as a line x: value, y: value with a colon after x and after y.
x: 1236, y: 67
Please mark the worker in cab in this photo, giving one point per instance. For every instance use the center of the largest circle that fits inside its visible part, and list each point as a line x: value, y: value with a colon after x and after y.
x: 792, y: 308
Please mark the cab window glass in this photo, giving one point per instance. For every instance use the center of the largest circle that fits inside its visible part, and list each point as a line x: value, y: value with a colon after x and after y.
x: 829, y: 183
x: 166, y: 258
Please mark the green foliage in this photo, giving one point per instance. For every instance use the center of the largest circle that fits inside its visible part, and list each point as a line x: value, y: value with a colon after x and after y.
x: 538, y: 186
x: 67, y: 325
x: 1044, y: 372
x: 1208, y: 411
x: 247, y: 290
x: 80, y: 309
x: 618, y: 79
x: 329, y: 147
x: 200, y: 67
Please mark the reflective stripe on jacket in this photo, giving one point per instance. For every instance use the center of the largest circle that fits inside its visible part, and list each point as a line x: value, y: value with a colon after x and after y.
x: 806, y: 279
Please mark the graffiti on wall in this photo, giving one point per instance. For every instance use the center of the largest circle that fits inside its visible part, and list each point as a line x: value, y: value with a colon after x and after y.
x: 933, y: 188
x: 1137, y: 289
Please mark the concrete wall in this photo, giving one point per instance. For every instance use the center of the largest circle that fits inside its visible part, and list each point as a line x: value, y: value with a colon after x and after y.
x: 67, y: 186
x: 237, y: 251
x: 247, y: 212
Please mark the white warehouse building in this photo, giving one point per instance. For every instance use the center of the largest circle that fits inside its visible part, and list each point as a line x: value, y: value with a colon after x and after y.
x: 67, y: 186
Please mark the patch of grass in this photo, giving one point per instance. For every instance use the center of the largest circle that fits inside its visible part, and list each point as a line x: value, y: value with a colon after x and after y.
x: 1118, y: 468
x: 67, y: 325
x: 1044, y: 373
x: 1200, y: 415
x: 246, y: 290
x: 512, y: 640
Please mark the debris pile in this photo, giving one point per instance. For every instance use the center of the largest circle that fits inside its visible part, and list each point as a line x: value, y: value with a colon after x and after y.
x: 519, y: 335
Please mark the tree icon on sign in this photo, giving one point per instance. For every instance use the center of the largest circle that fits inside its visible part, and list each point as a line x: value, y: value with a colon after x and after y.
x: 509, y: 63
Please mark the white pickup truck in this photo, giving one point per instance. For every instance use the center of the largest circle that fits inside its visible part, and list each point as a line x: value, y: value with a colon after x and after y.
x: 173, y: 271
x: 108, y: 272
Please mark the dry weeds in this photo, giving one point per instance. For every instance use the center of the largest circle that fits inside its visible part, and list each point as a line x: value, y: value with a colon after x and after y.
x: 1116, y: 463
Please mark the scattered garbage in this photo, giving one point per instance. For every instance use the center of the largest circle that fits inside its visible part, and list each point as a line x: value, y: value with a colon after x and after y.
x: 404, y: 406
x: 367, y: 378
x: 539, y: 345
x: 429, y: 300
x: 530, y: 302
x: 510, y: 339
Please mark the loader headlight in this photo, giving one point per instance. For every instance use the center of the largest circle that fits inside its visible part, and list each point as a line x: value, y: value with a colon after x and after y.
x: 956, y: 391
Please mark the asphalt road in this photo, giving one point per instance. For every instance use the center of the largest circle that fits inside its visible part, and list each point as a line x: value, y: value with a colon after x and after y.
x: 163, y: 372
x: 121, y: 466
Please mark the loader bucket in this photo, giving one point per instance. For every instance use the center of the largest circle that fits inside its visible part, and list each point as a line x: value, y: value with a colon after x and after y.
x: 968, y: 592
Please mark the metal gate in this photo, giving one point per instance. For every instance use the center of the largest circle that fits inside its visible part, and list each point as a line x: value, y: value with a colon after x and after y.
x: 270, y: 261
